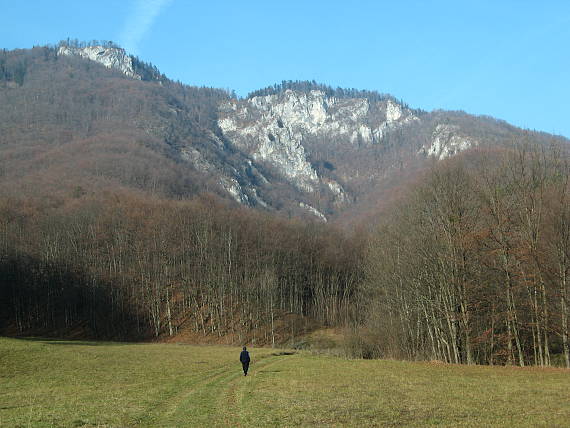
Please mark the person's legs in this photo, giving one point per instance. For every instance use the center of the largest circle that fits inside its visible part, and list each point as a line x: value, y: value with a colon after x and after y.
x: 245, y: 368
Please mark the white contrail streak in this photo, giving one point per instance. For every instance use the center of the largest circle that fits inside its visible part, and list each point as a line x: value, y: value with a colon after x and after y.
x: 139, y: 21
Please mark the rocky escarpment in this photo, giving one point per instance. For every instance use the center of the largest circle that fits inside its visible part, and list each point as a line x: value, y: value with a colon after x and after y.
x: 334, y: 149
x: 110, y: 57
x: 296, y: 148
x: 286, y: 133
x: 447, y: 141
x: 277, y: 129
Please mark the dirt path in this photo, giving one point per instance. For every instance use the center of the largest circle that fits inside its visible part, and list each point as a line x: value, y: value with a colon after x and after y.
x: 215, y: 399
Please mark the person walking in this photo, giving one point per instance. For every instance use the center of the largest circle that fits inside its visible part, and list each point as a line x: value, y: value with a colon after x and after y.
x: 244, y: 358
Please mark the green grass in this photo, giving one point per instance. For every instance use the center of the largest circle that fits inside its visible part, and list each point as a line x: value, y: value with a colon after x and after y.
x: 86, y: 384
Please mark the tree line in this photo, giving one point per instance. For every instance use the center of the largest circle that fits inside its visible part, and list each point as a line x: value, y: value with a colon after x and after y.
x: 124, y: 266
x: 311, y: 85
x: 473, y: 267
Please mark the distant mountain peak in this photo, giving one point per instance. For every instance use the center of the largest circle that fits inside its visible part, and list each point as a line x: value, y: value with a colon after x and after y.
x: 110, y: 56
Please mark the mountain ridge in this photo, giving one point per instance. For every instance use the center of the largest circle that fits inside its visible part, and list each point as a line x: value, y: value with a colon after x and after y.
x: 299, y: 148
x: 146, y: 208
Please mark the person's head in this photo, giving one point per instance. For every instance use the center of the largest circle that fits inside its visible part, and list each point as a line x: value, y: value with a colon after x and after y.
x: 244, y: 348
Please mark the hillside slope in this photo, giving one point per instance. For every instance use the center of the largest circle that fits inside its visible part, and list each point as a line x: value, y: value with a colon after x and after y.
x: 135, y: 207
x: 79, y: 117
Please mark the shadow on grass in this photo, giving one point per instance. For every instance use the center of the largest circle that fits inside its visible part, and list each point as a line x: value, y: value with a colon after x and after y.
x: 14, y: 407
x: 280, y: 354
x: 68, y: 342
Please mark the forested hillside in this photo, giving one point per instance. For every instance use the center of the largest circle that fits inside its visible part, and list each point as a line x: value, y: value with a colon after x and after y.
x: 70, y: 123
x: 125, y: 266
x: 135, y: 207
x: 474, y: 264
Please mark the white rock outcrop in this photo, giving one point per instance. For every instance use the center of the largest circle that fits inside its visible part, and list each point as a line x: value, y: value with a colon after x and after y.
x: 274, y: 128
x: 110, y: 57
x: 232, y: 186
x: 313, y: 211
x: 447, y: 141
x: 393, y: 112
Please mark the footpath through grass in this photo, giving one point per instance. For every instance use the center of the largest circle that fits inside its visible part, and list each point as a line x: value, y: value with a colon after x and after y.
x: 89, y: 384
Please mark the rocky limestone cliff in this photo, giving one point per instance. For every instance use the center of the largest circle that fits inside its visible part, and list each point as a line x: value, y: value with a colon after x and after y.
x: 275, y: 129
x: 298, y: 148
x: 283, y: 129
x: 446, y: 141
x: 110, y: 57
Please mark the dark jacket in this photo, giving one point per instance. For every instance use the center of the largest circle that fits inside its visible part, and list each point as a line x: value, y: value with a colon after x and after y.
x: 244, y: 357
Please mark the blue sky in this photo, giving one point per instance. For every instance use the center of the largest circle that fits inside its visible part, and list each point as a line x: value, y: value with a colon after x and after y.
x: 507, y: 59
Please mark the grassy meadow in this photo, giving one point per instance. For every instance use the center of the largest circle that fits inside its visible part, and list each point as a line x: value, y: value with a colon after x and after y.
x: 49, y: 383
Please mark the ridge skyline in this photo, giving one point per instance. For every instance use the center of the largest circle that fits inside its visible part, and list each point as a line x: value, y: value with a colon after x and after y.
x: 501, y: 60
x: 356, y: 92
